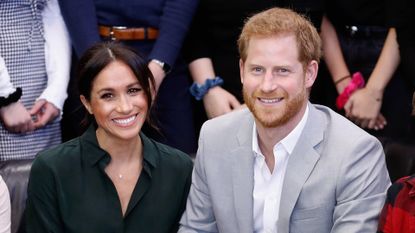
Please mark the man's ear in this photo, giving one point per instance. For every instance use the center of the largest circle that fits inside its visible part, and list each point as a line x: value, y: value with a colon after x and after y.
x: 241, y: 70
x: 86, y: 104
x: 311, y: 73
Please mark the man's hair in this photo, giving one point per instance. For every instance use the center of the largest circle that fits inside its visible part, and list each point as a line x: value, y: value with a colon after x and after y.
x: 280, y: 22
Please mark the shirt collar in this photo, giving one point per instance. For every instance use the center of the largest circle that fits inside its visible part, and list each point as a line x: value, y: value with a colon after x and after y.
x: 288, y: 141
x: 95, y: 154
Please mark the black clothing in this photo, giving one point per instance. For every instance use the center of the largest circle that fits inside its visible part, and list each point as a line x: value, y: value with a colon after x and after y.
x: 357, y: 12
x: 69, y: 190
x: 361, y: 50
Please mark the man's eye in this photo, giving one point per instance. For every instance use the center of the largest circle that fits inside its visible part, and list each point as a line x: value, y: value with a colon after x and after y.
x: 134, y: 90
x: 257, y: 70
x: 283, y: 71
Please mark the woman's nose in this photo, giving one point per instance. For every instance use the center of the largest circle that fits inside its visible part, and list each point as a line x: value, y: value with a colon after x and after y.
x: 124, y: 104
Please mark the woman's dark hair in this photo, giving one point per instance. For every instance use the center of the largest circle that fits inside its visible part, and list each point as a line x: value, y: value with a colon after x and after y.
x: 99, y: 56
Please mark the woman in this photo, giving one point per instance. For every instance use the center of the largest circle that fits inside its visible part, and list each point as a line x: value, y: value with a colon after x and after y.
x: 112, y: 178
x: 157, y: 29
x: 35, y: 55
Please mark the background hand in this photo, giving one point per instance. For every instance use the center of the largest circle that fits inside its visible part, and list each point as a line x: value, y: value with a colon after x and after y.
x: 44, y: 113
x: 218, y: 101
x: 363, y: 108
x: 16, y: 118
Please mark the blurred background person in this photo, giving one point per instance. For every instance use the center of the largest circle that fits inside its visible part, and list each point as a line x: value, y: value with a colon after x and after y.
x: 34, y: 73
x: 359, y: 36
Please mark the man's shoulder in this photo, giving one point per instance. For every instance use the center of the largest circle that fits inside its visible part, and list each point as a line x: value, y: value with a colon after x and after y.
x: 225, y: 132
x: 339, y: 126
x: 232, y: 120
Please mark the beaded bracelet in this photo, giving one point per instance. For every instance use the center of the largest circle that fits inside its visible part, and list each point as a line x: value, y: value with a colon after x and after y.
x: 12, y: 98
x: 200, y: 90
x: 341, y: 79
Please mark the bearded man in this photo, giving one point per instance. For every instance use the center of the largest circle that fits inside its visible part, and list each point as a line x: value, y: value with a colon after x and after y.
x: 283, y: 164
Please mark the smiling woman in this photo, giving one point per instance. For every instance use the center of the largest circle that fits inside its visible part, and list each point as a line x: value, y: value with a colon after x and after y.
x: 112, y: 178
x: 118, y: 103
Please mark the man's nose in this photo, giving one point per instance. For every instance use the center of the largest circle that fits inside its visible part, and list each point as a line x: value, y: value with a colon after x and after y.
x: 268, y: 83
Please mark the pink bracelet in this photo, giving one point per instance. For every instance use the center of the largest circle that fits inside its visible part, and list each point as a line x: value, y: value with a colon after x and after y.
x: 357, y: 82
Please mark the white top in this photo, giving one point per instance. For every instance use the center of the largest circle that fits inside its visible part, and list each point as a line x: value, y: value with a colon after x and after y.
x: 5, y: 217
x: 57, y: 56
x: 267, y: 185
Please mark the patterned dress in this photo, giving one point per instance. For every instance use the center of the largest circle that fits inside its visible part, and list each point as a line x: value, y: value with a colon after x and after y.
x: 22, y: 46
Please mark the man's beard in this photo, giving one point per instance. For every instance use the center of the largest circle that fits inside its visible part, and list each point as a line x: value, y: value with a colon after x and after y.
x: 271, y: 117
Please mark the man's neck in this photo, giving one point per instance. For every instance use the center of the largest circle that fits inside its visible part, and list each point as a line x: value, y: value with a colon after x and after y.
x: 268, y: 137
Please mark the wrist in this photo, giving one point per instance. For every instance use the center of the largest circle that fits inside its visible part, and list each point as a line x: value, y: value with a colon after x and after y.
x: 342, y: 80
x: 200, y: 90
x: 356, y: 83
x: 376, y: 90
x: 377, y: 94
x: 211, y: 92
x: 164, y: 66
x: 12, y: 98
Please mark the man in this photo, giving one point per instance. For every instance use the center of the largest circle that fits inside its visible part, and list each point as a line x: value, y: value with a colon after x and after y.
x: 284, y: 165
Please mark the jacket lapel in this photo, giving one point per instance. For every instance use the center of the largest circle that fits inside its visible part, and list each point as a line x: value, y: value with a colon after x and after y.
x: 300, y: 165
x: 243, y: 176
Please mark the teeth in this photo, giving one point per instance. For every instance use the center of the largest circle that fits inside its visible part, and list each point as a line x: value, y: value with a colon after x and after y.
x: 270, y: 101
x: 124, y: 121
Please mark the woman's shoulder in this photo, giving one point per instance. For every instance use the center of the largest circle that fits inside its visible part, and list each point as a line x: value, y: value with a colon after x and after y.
x: 169, y: 155
x: 173, y: 155
x: 58, y: 156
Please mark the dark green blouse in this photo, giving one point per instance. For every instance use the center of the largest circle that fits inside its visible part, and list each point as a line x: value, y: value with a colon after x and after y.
x: 69, y: 190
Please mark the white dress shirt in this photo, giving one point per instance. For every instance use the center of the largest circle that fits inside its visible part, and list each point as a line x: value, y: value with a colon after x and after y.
x: 57, y: 57
x: 267, y: 184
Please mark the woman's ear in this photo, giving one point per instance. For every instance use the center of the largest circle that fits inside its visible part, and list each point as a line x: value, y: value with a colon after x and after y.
x: 86, y: 104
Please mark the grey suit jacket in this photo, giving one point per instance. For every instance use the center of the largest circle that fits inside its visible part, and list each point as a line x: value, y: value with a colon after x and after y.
x: 336, y: 178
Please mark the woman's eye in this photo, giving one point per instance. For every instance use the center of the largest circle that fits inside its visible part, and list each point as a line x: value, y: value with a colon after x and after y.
x: 134, y: 90
x: 106, y: 96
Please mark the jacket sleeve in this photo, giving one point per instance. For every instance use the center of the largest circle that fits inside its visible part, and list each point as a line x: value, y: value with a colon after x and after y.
x: 174, y: 24
x: 81, y: 22
x: 198, y: 217
x: 362, y: 182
